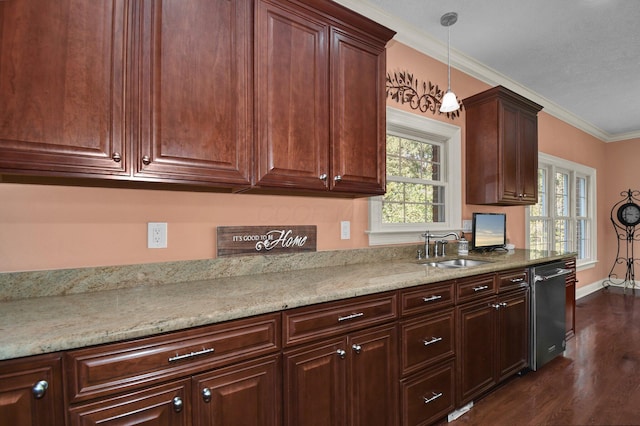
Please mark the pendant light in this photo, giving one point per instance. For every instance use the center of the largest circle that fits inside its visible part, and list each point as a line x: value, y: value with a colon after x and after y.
x: 449, y: 100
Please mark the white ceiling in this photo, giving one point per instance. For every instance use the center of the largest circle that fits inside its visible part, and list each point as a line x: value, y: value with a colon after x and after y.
x: 580, y: 59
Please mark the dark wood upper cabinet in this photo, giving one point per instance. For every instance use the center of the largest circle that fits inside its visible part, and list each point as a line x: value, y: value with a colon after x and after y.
x: 292, y: 91
x: 272, y: 94
x: 62, y: 85
x: 501, y: 148
x: 319, y: 98
x: 195, y: 91
x: 358, y: 131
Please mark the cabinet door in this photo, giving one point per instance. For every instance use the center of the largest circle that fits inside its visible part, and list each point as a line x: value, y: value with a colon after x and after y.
x: 513, y: 333
x: 528, y: 164
x: 62, y: 87
x: 315, y: 387
x: 358, y: 122
x: 31, y: 392
x: 510, y: 139
x: 247, y: 394
x: 165, y: 405
x: 292, y: 106
x: 570, y: 299
x: 196, y: 90
x: 476, y: 349
x: 373, y: 376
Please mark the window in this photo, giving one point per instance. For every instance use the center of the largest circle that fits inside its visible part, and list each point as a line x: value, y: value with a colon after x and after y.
x: 423, y: 180
x: 565, y: 216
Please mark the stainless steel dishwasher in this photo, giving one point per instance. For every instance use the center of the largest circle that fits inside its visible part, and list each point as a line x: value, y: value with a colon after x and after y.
x: 548, y: 330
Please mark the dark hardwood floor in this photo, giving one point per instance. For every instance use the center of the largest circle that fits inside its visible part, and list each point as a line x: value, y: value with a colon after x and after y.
x: 596, y: 382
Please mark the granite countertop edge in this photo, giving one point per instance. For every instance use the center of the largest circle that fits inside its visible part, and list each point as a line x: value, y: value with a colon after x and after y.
x: 51, y: 324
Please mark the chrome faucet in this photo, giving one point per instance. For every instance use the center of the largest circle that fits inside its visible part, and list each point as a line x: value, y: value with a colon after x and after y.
x: 441, y: 243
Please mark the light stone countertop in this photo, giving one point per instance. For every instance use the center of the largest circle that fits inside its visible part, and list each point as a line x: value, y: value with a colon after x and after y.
x: 39, y: 325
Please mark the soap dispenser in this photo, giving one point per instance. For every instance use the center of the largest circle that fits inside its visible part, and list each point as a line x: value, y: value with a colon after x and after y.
x: 463, y: 247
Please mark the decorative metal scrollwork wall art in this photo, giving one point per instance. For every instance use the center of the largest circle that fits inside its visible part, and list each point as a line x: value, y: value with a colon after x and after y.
x: 625, y: 215
x: 403, y: 88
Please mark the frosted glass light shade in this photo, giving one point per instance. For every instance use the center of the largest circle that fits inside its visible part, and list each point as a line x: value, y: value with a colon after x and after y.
x: 449, y: 102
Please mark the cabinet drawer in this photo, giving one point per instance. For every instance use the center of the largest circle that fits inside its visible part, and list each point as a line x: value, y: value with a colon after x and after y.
x: 333, y: 318
x: 117, y: 367
x: 427, y: 298
x: 513, y: 279
x: 427, y: 340
x: 165, y: 404
x: 428, y: 396
x: 474, y: 287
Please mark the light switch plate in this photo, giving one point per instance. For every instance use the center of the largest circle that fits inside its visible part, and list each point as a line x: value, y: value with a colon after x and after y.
x: 466, y: 226
x: 345, y: 230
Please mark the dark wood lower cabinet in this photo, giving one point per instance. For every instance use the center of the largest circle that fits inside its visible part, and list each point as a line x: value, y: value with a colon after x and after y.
x: 385, y: 359
x: 247, y: 394
x: 493, y: 342
x: 513, y: 333
x: 349, y: 380
x: 31, y: 391
x: 476, y: 349
x: 570, y: 298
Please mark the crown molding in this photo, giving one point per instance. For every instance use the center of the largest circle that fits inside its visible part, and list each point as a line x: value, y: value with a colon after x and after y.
x: 423, y: 42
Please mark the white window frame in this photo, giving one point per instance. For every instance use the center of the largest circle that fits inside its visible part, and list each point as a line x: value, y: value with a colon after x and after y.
x: 555, y: 164
x: 449, y: 136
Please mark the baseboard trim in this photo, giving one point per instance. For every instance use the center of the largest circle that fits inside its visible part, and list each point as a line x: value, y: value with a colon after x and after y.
x: 588, y: 289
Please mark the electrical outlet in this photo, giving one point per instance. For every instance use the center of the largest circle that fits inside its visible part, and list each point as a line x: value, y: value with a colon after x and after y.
x: 345, y: 230
x: 466, y: 226
x: 156, y: 235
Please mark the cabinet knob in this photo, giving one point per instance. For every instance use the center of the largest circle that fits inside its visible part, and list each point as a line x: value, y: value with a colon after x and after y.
x: 356, y: 348
x: 323, y: 177
x: 337, y: 178
x: 206, y: 395
x: 177, y: 404
x: 341, y: 353
x: 39, y: 389
x: 116, y: 157
x: 146, y: 160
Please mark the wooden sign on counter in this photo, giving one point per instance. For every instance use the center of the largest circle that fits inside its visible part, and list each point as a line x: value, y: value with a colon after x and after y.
x: 244, y: 240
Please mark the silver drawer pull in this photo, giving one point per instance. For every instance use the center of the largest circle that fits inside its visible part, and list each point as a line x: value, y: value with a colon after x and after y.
x: 433, y: 398
x: 432, y: 341
x: 190, y: 355
x: 431, y: 298
x: 517, y: 280
x: 350, y: 317
x: 480, y: 288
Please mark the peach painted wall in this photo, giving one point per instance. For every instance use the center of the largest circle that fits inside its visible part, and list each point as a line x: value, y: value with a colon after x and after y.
x: 50, y: 227
x: 623, y: 173
x: 559, y: 139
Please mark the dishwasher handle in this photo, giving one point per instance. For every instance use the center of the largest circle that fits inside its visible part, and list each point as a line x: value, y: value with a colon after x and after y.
x: 559, y: 272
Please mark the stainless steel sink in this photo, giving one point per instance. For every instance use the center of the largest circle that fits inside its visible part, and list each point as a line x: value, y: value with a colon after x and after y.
x: 455, y: 263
